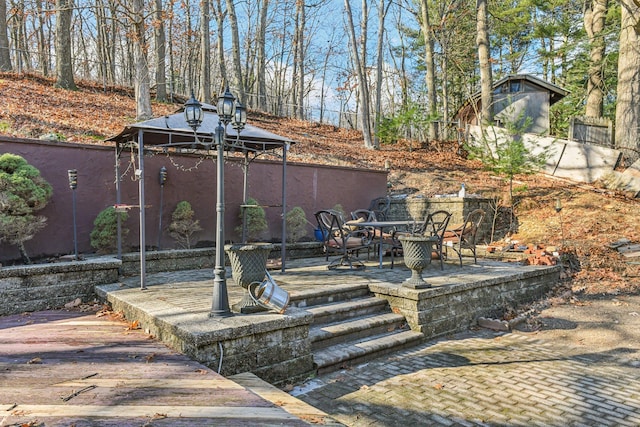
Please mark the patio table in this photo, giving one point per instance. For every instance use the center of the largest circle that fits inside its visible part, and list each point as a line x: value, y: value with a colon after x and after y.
x: 381, y: 225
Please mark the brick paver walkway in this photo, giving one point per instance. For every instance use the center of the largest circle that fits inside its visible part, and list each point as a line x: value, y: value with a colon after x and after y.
x: 483, y: 380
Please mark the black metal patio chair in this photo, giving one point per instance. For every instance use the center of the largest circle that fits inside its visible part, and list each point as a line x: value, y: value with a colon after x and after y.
x: 343, y: 240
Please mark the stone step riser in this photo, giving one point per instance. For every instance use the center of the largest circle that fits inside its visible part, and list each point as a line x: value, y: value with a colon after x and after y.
x: 325, y: 317
x: 315, y: 300
x: 326, y: 364
x: 356, y: 335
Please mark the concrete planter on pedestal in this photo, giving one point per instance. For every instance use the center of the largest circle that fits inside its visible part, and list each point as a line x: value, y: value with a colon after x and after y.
x: 248, y: 265
x: 416, y: 251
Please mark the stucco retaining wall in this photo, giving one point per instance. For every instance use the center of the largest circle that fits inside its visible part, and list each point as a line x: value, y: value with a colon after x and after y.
x: 190, y: 178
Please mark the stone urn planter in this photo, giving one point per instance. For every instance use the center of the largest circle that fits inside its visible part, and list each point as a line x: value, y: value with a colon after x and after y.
x: 248, y: 265
x: 416, y: 251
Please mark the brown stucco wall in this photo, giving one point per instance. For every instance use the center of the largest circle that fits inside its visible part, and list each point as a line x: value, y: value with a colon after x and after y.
x: 190, y: 178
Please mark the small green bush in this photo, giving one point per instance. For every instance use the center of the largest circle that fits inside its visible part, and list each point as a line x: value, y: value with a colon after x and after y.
x: 183, y: 226
x: 23, y: 192
x: 256, y: 219
x: 104, y: 236
x: 297, y: 222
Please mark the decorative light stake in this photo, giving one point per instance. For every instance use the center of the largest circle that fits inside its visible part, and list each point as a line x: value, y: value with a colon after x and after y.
x: 558, y: 208
x: 73, y: 184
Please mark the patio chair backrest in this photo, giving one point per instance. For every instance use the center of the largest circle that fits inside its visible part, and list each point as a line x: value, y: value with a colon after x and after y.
x: 364, y: 214
x: 437, y: 223
x: 381, y: 207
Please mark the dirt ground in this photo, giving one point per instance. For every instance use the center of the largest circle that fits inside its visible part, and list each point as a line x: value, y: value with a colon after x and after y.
x: 588, y: 323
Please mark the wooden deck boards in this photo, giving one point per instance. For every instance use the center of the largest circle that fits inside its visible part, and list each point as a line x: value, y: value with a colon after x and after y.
x: 69, y: 368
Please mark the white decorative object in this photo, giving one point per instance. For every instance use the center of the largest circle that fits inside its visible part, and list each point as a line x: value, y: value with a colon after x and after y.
x: 462, y: 191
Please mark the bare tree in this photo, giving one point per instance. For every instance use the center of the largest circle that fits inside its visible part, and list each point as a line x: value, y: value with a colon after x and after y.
x: 363, y: 84
x: 430, y: 65
x: 142, y: 85
x: 220, y: 15
x: 628, y: 102
x: 482, y: 43
x: 382, y: 13
x: 235, y: 43
x: 5, y: 55
x: 205, y: 49
x: 300, y: 55
x: 42, y: 41
x: 161, y: 55
x: 594, y: 19
x: 262, y: 56
x: 64, y: 62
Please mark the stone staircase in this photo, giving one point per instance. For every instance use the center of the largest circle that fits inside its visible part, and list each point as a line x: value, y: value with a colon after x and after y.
x: 352, y: 326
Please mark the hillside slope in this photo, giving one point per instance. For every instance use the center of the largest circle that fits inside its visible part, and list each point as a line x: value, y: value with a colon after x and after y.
x: 590, y: 220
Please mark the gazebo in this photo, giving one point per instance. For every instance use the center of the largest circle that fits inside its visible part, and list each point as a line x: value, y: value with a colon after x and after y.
x: 174, y: 133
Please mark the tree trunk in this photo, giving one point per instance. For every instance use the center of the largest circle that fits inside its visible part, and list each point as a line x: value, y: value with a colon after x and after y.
x: 142, y: 83
x: 5, y: 55
x: 295, y: 71
x: 482, y: 42
x: 594, y: 20
x: 64, y: 65
x: 430, y: 67
x: 628, y: 102
x: 262, y: 57
x: 220, y: 47
x: 362, y: 79
x: 382, y: 13
x: 300, y: 5
x: 205, y: 49
x: 235, y: 43
x: 43, y: 47
x: 161, y: 55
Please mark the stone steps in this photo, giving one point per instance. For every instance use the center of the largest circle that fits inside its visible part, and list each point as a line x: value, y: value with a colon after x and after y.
x: 347, y: 354
x: 351, y: 326
x: 328, y: 313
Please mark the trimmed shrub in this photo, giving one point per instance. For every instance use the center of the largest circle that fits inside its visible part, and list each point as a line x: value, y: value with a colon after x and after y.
x: 104, y: 236
x: 296, y: 224
x: 256, y: 219
x: 23, y: 192
x: 183, y: 226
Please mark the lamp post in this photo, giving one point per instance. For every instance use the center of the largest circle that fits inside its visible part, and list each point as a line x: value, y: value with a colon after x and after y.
x: 193, y: 115
x: 73, y: 184
x: 163, y: 180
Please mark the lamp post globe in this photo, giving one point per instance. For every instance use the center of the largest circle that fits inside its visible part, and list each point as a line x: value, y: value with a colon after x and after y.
x: 239, y: 117
x: 226, y: 106
x: 193, y: 112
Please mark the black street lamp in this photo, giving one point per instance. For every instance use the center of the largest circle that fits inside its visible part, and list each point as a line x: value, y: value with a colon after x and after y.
x: 226, y: 109
x: 73, y: 184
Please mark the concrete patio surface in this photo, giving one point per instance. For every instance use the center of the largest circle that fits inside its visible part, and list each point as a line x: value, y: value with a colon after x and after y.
x: 475, y: 378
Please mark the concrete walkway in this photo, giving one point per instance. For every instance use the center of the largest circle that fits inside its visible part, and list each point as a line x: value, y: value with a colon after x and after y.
x: 482, y: 378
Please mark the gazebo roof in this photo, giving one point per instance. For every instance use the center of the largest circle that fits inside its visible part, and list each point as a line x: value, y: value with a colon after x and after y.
x: 173, y: 130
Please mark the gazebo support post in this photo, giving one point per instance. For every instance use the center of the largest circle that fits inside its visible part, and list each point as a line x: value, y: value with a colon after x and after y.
x: 283, y: 247
x: 140, y: 175
x: 245, y: 173
x: 118, y: 201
